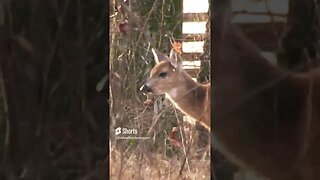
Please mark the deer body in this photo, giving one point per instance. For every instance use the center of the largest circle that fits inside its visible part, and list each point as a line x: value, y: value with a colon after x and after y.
x: 195, y: 103
x: 265, y: 119
x: 190, y: 97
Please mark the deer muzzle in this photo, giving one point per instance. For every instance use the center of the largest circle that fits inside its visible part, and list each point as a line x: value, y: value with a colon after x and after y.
x: 145, y: 89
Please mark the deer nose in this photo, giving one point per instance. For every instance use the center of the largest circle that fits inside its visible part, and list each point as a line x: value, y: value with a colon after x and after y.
x: 145, y: 88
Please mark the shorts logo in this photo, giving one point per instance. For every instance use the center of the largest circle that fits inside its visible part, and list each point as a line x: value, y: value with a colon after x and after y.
x: 118, y: 130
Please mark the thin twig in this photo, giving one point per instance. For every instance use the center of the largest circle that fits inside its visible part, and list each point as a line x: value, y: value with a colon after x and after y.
x: 183, y: 136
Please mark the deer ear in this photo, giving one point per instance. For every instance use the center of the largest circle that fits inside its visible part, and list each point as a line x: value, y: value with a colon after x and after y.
x: 174, y: 58
x: 158, y: 56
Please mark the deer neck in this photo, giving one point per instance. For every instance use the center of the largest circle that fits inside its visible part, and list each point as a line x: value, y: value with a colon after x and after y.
x: 189, y: 97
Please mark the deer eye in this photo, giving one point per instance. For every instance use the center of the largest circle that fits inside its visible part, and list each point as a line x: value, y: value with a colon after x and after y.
x: 163, y: 75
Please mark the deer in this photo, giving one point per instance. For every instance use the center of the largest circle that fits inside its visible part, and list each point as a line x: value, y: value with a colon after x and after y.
x: 265, y: 119
x: 190, y: 97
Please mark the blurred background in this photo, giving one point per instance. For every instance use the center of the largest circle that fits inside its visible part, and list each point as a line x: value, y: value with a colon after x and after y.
x: 286, y: 33
x: 52, y: 118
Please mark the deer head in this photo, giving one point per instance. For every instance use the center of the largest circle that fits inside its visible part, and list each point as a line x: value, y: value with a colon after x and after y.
x: 190, y: 97
x: 165, y: 76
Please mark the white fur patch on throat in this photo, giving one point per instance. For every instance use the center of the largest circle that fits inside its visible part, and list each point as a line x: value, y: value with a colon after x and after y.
x: 173, y: 93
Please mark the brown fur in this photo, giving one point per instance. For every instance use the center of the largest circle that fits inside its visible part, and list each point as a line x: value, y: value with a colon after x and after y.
x: 191, y: 98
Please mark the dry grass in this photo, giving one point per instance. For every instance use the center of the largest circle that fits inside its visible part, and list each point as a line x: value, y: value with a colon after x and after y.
x: 155, y: 166
x: 155, y: 157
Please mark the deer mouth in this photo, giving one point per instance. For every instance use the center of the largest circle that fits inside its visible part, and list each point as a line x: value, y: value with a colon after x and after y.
x: 146, y: 89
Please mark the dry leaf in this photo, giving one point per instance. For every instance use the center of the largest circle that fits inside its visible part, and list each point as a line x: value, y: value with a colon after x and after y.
x: 173, y: 137
x: 177, y: 47
x: 148, y: 103
x: 124, y: 27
